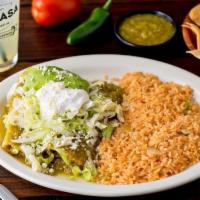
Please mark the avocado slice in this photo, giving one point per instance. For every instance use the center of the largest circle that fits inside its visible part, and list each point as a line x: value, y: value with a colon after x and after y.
x: 37, y: 76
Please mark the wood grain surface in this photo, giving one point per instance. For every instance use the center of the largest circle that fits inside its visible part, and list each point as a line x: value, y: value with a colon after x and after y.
x: 37, y: 44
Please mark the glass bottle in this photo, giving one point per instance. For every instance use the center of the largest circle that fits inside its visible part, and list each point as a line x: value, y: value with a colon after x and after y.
x: 9, y: 33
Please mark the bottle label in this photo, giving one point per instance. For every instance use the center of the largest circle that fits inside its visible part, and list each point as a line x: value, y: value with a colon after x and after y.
x: 9, y: 18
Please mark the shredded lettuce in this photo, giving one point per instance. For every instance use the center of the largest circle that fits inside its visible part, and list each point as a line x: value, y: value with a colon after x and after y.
x: 47, y: 160
x: 63, y: 155
x: 29, y: 154
x: 23, y: 113
x: 87, y: 174
x: 76, y: 125
x: 76, y: 171
x: 32, y: 136
x: 89, y: 171
x: 107, y: 132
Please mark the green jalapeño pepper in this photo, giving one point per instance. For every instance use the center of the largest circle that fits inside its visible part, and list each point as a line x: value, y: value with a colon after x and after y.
x: 96, y: 20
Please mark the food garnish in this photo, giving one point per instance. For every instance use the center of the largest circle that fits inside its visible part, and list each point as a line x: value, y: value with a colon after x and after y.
x: 55, y: 120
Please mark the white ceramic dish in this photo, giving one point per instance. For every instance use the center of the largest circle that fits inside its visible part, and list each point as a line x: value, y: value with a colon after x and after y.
x: 96, y: 67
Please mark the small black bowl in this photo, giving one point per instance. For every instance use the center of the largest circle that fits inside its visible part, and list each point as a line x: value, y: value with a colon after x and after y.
x: 143, y: 47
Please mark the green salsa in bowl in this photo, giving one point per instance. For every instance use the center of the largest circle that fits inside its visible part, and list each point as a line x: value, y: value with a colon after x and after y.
x: 145, y: 29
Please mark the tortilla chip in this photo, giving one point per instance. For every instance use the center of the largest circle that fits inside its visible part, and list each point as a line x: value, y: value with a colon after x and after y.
x: 195, y: 53
x: 195, y: 15
x: 196, y: 30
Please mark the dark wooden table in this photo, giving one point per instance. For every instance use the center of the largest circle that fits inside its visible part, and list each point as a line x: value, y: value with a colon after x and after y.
x: 38, y: 44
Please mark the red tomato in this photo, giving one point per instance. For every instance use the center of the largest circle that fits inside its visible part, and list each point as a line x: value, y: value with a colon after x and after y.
x: 54, y: 12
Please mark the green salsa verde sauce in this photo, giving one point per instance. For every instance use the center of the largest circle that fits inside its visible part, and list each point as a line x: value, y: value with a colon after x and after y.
x: 146, y: 29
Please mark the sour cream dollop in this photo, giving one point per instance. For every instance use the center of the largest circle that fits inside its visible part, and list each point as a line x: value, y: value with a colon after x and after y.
x: 55, y: 99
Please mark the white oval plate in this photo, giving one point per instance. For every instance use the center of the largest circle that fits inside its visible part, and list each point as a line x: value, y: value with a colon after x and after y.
x: 96, y: 67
